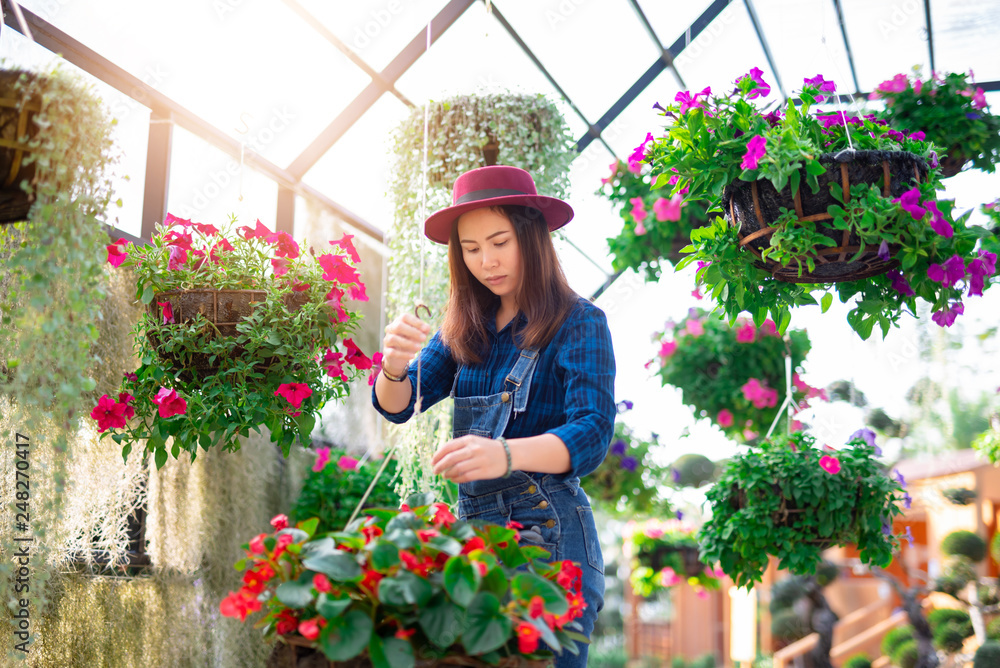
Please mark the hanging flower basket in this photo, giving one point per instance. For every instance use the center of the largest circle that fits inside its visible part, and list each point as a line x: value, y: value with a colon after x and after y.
x: 17, y: 130
x: 755, y: 207
x: 295, y: 651
x: 952, y: 163
x: 664, y: 554
x: 791, y: 500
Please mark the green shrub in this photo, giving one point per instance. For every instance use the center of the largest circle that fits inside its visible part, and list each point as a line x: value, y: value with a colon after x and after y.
x: 614, y: 656
x: 988, y: 655
x: 676, y: 662
x: 826, y: 573
x: 895, y: 637
x: 332, y: 493
x: 906, y: 654
x: 784, y: 593
x: 943, y: 616
x: 950, y: 584
x: 988, y: 595
x: 858, y: 661
x: 960, y: 496
x: 965, y: 544
x: 995, y: 547
x: 993, y: 629
x: 949, y: 637
x: 703, y: 661
x: 787, y: 625
x: 694, y: 470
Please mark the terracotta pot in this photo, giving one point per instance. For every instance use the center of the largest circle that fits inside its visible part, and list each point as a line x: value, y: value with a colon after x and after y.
x: 755, y: 206
x: 16, y: 123
x: 297, y: 652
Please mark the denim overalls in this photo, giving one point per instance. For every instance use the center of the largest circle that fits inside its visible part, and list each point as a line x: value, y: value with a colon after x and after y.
x: 556, y: 514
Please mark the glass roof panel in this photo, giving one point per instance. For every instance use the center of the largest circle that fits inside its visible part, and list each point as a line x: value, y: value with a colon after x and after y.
x: 355, y: 172
x: 630, y: 128
x: 805, y: 40
x: 250, y: 69
x: 595, y: 50
x: 477, y: 55
x: 709, y: 61
x: 670, y: 20
x: 965, y: 37
x: 206, y: 185
x: 594, y: 220
x: 886, y: 39
x: 376, y: 30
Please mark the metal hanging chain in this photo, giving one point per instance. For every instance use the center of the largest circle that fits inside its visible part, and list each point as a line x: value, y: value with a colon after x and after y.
x: 787, y: 405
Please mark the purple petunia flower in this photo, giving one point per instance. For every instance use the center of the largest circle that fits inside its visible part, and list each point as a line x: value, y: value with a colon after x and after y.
x: 910, y: 202
x: 946, y: 316
x: 895, y: 134
x: 680, y: 515
x: 907, y: 500
x: 629, y: 463
x: 868, y: 436
x: 948, y: 274
x: 917, y: 136
x: 908, y: 536
x: 899, y: 283
x: 938, y: 223
x: 131, y: 376
x: 619, y: 447
x: 971, y: 115
x: 756, y: 148
x: 886, y: 529
x: 883, y: 251
x: 899, y: 477
x: 822, y: 84
x: 675, y: 475
x: 979, y: 269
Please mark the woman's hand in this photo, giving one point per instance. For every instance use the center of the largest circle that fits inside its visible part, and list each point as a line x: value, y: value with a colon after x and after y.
x: 470, y: 458
x: 404, y: 337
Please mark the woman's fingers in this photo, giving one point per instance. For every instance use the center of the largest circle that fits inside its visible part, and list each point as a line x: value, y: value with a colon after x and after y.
x: 404, y: 337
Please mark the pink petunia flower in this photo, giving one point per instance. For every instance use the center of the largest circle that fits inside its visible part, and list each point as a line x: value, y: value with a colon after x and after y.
x: 284, y: 244
x: 294, y: 393
x: 333, y: 363
x: 938, y: 223
x: 109, y: 414
x: 946, y: 316
x: 689, y: 101
x: 668, y: 209
x: 219, y: 247
x: 116, y: 252
x: 899, y: 283
x: 322, y: 457
x: 910, y: 202
x: 830, y: 464
x: 948, y: 274
x: 756, y: 148
x: 667, y: 349
x: 760, y: 88
x: 376, y: 367
x: 897, y: 84
x: 178, y: 256
x: 347, y: 246
x: 724, y: 418
x: 348, y: 463
x: 747, y: 333
x: 980, y: 268
x: 337, y: 269
x: 258, y: 232
x: 168, y: 312
x: 822, y: 84
x: 169, y: 403
x: 694, y: 327
x: 355, y: 357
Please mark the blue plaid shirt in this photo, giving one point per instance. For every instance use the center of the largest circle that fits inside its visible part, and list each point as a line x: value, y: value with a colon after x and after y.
x: 572, y: 391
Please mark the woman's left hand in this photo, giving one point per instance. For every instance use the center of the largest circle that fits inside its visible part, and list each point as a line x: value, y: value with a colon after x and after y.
x: 470, y: 458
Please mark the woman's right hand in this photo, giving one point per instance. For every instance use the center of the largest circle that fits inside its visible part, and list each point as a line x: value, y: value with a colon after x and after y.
x: 404, y: 337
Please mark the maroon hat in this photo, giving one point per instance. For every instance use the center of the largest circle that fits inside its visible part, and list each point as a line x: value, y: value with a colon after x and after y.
x: 494, y: 186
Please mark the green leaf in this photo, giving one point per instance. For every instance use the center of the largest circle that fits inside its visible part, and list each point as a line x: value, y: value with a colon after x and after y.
x: 826, y: 301
x: 442, y: 623
x: 390, y: 652
x: 294, y: 594
x: 147, y: 295
x: 496, y: 581
x: 526, y: 586
x: 339, y: 566
x: 160, y: 457
x: 332, y: 607
x: 305, y: 423
x: 487, y: 628
x: 346, y: 637
x: 385, y: 555
x: 461, y: 581
x: 404, y: 589
x: 309, y: 526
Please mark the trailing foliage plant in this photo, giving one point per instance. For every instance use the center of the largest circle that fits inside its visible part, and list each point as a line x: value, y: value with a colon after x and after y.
x: 664, y: 555
x: 530, y: 133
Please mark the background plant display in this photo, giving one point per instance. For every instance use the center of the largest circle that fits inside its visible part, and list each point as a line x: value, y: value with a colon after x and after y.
x: 628, y: 481
x: 281, y: 367
x: 657, y: 224
x: 335, y: 485
x: 665, y: 554
x: 415, y: 583
x: 733, y: 376
x: 714, y: 142
x: 792, y: 500
x: 950, y: 110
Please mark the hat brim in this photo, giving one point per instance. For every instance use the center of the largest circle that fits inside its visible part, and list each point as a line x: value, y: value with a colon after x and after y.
x: 556, y: 212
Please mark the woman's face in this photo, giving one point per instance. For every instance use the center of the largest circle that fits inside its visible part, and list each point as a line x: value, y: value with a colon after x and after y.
x: 490, y: 250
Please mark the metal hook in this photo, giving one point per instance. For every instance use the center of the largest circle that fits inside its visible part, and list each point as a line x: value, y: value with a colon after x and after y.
x: 416, y: 310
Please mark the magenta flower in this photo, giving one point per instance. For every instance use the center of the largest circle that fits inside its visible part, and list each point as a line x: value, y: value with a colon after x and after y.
x: 755, y: 79
x: 895, y: 134
x: 355, y: 357
x: 109, y: 414
x: 667, y: 349
x: 830, y: 464
x: 219, y: 247
x: 169, y: 403
x: 258, y: 232
x: 689, y: 101
x: 168, y: 312
x: 837, y: 118
x: 950, y: 273
x: 638, y: 209
x: 768, y: 328
x: 724, y: 418
x: 178, y: 256
x: 279, y: 265
x: 938, y: 223
x: 756, y: 148
x: 284, y: 244
x: 348, y: 463
x: 639, y: 154
x: 116, y: 253
x: 746, y: 334
x: 606, y: 179
x: 883, y: 251
x: 822, y: 84
x: 917, y: 136
x: 668, y: 209
x: 125, y: 399
x: 294, y: 393
x: 337, y: 269
x: 946, y: 316
x: 333, y: 364
x: 322, y: 457
x: 910, y: 202
x: 172, y: 220
x: 979, y: 269
x: 897, y: 84
x: 899, y: 283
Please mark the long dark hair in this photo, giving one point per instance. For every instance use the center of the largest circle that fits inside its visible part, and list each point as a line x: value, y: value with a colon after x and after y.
x: 544, y: 295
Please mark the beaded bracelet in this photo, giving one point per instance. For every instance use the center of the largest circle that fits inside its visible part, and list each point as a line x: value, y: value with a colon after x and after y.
x: 390, y: 377
x: 506, y: 449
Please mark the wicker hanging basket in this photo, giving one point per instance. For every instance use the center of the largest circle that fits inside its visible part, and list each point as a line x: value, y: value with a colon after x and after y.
x: 790, y: 515
x: 297, y: 652
x: 224, y: 309
x: 952, y: 163
x: 755, y: 206
x: 17, y: 128
x: 689, y: 557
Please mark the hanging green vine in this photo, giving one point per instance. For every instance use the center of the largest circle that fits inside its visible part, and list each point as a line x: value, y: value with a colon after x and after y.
x: 531, y: 134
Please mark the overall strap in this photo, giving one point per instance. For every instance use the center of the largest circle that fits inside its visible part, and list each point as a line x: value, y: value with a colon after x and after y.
x: 520, y: 376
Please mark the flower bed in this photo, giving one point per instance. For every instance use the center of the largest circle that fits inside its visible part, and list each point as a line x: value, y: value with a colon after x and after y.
x: 407, y: 585
x: 878, y: 231
x: 244, y: 329
x: 733, y: 376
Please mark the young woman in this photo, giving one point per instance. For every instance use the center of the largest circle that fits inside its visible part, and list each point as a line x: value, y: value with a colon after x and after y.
x: 529, y: 365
